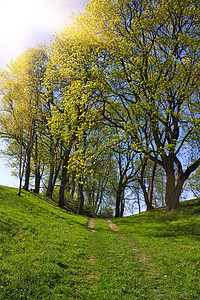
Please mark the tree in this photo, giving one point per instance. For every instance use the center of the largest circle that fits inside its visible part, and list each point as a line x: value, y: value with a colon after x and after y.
x: 13, y: 152
x: 70, y: 79
x: 147, y: 190
x: 126, y: 169
x: 151, y: 81
x: 101, y: 174
x: 21, y: 90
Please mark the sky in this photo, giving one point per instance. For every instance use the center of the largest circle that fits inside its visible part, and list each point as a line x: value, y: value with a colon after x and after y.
x: 25, y: 23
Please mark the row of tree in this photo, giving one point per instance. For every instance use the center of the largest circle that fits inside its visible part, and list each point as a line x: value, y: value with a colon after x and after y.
x: 110, y: 110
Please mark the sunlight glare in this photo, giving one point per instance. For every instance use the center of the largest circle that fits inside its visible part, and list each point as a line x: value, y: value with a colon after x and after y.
x: 20, y: 15
x: 22, y: 20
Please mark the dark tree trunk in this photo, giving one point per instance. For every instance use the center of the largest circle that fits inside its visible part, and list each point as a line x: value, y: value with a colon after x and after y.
x: 56, y: 175
x: 52, y: 181
x: 152, y: 183
x: 173, y: 188
x: 117, y: 207
x: 99, y: 196
x: 143, y: 187
x: 171, y: 197
x: 50, y: 186
x: 37, y: 180
x: 64, y: 179
x: 27, y: 171
x: 80, y: 198
x: 118, y: 199
x: 21, y: 169
x: 146, y: 198
x: 138, y: 201
x: 172, y: 194
x: 122, y: 207
x: 73, y: 185
x: 20, y: 186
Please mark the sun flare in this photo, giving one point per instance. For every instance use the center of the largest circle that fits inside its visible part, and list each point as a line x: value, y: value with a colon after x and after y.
x: 22, y: 20
x: 18, y: 16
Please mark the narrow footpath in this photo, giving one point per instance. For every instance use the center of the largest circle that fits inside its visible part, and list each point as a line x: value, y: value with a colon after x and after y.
x: 117, y: 269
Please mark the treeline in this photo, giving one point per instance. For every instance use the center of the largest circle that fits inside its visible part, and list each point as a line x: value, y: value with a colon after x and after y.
x: 109, y: 112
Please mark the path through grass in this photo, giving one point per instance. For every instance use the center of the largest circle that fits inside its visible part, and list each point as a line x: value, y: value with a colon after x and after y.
x: 47, y: 253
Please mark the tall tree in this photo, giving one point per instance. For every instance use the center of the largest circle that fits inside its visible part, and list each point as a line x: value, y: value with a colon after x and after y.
x: 152, y: 78
x: 21, y: 90
x: 70, y: 77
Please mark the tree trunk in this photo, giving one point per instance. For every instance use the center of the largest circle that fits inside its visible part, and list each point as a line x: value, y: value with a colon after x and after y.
x: 173, y: 191
x: 138, y: 200
x: 50, y: 186
x: 56, y: 175
x: 37, y: 180
x: 173, y: 187
x: 21, y: 171
x: 170, y: 193
x: 118, y: 200
x: 73, y: 184
x: 146, y: 198
x: 80, y: 198
x: 162, y: 197
x: 117, y: 207
x: 63, y: 179
x: 122, y: 207
x: 28, y: 170
x: 20, y: 186
x: 152, y: 183
x: 99, y: 196
x: 143, y: 187
x: 52, y: 181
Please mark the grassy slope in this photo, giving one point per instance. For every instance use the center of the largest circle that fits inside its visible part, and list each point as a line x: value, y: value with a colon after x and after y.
x: 47, y: 253
x: 171, y: 244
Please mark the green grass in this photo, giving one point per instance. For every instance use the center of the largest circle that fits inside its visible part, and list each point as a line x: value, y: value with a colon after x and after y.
x: 50, y: 258
x: 48, y: 253
x: 171, y: 243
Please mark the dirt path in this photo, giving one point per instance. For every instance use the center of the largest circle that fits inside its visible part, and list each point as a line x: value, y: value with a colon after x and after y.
x: 92, y: 259
x: 124, y: 237
x: 112, y: 226
x: 97, y: 255
x: 115, y: 228
x: 90, y: 225
x: 129, y: 243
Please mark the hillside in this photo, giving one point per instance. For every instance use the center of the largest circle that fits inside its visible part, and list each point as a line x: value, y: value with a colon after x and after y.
x: 48, y: 253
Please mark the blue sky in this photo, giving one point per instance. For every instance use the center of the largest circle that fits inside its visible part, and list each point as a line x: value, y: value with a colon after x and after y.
x: 25, y: 23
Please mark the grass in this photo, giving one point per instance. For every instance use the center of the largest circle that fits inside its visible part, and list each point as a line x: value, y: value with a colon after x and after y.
x: 49, y: 259
x: 171, y: 242
x: 48, y: 253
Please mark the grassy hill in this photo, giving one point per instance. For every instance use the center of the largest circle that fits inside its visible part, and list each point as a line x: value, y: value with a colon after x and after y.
x: 48, y: 253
